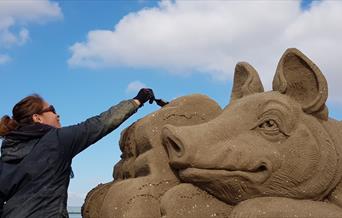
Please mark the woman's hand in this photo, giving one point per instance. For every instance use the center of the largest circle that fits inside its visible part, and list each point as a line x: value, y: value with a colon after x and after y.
x: 144, y: 95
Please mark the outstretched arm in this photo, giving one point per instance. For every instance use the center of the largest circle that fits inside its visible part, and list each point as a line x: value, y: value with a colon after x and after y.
x: 78, y: 137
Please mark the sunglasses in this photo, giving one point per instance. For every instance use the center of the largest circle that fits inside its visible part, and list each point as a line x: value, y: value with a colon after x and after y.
x: 51, y: 108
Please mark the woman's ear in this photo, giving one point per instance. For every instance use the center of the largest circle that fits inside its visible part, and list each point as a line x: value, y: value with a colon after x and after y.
x: 36, y: 118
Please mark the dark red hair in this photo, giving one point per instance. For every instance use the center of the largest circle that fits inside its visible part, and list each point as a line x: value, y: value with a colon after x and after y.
x: 22, y: 114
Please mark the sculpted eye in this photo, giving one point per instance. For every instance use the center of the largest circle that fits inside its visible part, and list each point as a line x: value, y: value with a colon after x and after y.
x: 272, y: 125
x: 269, y: 125
x: 270, y: 129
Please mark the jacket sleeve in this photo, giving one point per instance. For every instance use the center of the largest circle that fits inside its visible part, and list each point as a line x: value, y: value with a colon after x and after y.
x: 78, y: 137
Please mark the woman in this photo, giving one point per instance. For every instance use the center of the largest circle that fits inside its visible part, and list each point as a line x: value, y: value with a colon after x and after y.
x: 36, y: 153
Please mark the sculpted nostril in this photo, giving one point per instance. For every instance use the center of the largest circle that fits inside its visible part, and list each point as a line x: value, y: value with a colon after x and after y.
x: 174, y: 147
x: 172, y: 143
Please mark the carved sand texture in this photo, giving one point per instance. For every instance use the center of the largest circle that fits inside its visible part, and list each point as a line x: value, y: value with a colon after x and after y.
x: 143, y: 174
x: 267, y: 154
x: 95, y: 198
x: 188, y: 201
x: 278, y: 144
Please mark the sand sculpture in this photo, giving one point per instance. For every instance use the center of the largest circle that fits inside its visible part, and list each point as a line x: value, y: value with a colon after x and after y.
x: 266, y: 154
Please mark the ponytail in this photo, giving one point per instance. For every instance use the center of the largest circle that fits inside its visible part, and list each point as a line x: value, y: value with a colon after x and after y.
x: 22, y: 114
x: 7, y: 125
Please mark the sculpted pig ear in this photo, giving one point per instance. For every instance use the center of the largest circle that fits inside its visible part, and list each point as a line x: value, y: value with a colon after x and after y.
x: 298, y: 77
x: 246, y: 81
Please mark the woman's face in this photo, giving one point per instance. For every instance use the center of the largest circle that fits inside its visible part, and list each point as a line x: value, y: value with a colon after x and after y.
x: 48, y: 116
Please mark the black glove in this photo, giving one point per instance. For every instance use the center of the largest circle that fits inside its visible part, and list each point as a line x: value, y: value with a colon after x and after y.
x: 145, y: 95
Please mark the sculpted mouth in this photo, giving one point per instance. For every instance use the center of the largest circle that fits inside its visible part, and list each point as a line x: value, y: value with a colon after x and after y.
x: 256, y: 176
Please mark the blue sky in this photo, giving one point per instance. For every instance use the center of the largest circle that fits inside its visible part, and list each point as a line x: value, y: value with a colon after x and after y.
x: 84, y: 56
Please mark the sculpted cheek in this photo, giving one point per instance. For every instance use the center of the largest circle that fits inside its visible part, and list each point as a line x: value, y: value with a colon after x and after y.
x: 302, y: 159
x: 299, y: 163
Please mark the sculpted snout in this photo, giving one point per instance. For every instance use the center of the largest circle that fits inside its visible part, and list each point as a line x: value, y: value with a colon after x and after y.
x: 175, y: 146
x: 190, y: 148
x: 215, y: 163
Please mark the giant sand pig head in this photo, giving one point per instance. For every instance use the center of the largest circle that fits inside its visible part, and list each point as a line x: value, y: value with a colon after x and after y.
x: 263, y: 143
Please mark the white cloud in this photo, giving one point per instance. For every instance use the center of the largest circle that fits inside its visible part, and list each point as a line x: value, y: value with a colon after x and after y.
x: 17, y: 14
x: 212, y: 36
x: 4, y: 58
x: 135, y: 86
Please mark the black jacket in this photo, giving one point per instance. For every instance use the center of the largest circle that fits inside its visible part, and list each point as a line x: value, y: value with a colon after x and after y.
x: 35, y: 173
